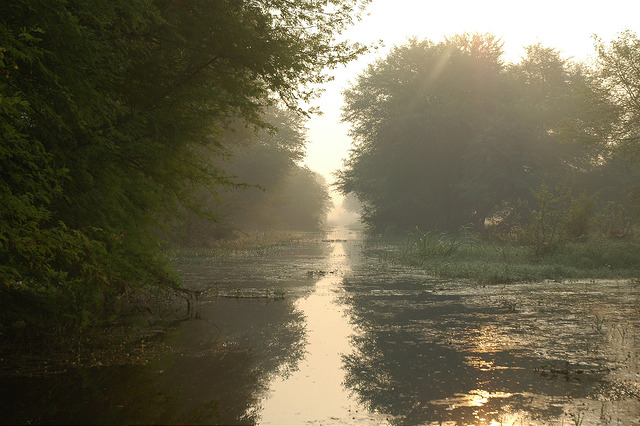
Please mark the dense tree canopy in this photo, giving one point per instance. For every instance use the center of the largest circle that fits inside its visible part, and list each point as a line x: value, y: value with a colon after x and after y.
x: 106, y: 108
x: 446, y: 134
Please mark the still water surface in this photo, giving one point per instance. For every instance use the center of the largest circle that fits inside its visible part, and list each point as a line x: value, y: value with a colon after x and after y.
x: 320, y: 333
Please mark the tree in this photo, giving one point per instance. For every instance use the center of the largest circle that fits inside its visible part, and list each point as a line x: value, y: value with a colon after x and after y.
x: 273, y: 190
x: 619, y: 73
x: 412, y: 116
x: 446, y: 133
x: 307, y: 201
x: 106, y: 109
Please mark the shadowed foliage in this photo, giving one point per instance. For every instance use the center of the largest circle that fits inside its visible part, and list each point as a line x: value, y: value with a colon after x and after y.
x: 106, y: 108
x: 447, y: 135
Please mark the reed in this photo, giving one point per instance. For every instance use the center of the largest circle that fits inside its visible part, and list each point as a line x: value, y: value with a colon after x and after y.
x: 464, y: 255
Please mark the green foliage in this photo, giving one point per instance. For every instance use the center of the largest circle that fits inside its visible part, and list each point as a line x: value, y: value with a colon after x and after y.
x: 445, y: 133
x: 579, y: 217
x: 544, y: 230
x: 109, y: 114
x: 272, y: 192
x: 602, y: 253
x: 493, y: 262
x: 306, y: 201
x: 615, y: 221
x: 553, y: 218
x: 297, y: 201
x: 619, y: 73
x: 435, y: 244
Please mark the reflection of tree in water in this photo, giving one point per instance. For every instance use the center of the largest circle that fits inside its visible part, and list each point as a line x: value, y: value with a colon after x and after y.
x: 421, y: 357
x: 214, y: 374
x: 224, y: 384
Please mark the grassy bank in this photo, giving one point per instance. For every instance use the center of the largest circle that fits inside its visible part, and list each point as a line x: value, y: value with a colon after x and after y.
x: 488, y: 262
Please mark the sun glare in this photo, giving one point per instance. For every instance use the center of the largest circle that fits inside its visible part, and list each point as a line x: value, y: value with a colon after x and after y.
x: 566, y: 25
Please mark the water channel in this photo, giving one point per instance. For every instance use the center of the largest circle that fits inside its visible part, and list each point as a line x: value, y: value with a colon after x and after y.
x: 318, y: 332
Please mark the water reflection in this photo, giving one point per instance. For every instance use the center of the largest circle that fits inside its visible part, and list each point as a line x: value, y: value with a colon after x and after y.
x: 212, y: 374
x: 315, y: 394
x: 215, y: 368
x: 430, y: 352
x: 357, y: 340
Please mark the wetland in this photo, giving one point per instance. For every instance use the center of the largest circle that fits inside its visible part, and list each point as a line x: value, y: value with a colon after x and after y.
x: 319, y: 331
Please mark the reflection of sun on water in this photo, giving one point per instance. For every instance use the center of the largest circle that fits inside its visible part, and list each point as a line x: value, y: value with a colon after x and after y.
x: 478, y: 398
x: 475, y: 398
x: 315, y: 392
x: 484, y: 365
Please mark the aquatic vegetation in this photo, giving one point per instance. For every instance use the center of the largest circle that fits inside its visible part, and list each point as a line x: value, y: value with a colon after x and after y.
x: 464, y: 255
x: 433, y: 243
x: 258, y: 243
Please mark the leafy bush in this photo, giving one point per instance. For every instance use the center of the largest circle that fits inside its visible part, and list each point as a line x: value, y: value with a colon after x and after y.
x: 615, y: 221
x: 554, y: 218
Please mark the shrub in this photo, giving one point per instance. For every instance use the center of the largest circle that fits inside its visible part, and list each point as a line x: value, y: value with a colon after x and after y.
x: 555, y: 218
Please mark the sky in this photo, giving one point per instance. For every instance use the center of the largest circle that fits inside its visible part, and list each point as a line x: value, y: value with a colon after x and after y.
x: 567, y: 25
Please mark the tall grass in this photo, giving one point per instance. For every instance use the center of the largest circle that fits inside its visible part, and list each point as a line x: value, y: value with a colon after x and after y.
x: 434, y: 243
x: 464, y: 255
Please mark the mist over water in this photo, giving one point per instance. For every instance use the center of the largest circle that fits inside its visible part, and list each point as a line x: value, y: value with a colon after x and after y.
x: 171, y: 251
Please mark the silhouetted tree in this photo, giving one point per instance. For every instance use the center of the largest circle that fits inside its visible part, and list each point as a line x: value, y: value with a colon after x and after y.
x: 445, y: 133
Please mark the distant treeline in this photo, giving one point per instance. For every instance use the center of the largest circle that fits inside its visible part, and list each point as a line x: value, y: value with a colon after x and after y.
x: 448, y: 135
x: 273, y: 192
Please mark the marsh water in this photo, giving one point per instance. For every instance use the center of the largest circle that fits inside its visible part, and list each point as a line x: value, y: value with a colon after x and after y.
x: 319, y: 332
